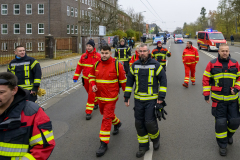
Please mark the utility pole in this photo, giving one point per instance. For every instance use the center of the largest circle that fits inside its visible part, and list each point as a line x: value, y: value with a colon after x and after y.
x: 79, y: 28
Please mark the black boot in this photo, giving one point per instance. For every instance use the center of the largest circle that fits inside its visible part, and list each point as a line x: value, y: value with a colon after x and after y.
x: 223, y: 151
x: 102, y: 149
x: 230, y: 140
x: 95, y: 106
x: 156, y: 145
x: 88, y: 116
x: 141, y: 152
x: 116, y: 128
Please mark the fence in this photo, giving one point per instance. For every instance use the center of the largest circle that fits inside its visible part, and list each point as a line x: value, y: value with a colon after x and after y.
x: 34, y: 48
x: 58, y: 78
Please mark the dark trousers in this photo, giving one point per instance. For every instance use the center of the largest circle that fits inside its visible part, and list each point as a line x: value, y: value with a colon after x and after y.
x: 227, y: 121
x: 32, y: 97
x: 232, y: 42
x: 146, y: 122
x: 126, y: 66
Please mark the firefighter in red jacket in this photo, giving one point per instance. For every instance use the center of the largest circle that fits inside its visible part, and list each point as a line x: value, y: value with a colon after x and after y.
x: 25, y: 129
x: 222, y: 78
x: 85, y: 64
x: 105, y: 78
x: 190, y: 58
x: 134, y: 57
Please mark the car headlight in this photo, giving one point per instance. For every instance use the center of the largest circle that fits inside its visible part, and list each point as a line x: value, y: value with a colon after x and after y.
x: 213, y: 43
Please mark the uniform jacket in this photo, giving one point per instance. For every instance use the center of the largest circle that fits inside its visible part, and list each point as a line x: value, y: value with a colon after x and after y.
x: 220, y: 77
x: 160, y: 54
x: 85, y: 64
x: 25, y: 131
x: 104, y: 76
x: 123, y: 53
x: 134, y: 58
x: 147, y: 77
x: 28, y: 72
x: 190, y: 55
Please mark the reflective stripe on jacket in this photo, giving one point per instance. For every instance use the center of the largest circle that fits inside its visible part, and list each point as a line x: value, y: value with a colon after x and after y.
x: 160, y: 55
x: 190, y: 55
x: 220, y: 82
x: 123, y: 53
x: 134, y: 58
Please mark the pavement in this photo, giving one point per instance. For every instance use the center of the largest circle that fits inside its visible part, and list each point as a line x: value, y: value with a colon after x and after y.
x: 188, y: 133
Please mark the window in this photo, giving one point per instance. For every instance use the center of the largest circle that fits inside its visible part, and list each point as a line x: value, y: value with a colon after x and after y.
x: 29, y: 46
x: 68, y: 11
x: 4, y: 9
x: 28, y: 28
x: 83, y: 30
x: 89, y: 2
x: 85, y: 1
x: 40, y: 28
x: 86, y: 13
x: 82, y: 13
x: 40, y: 8
x: 16, y: 28
x: 16, y: 44
x: 76, y: 12
x: 72, y: 11
x: 76, y: 29
x: 29, y: 9
x: 68, y: 29
x: 16, y: 9
x: 40, y: 46
x: 201, y: 35
x: 72, y: 29
x: 82, y: 1
x: 4, y: 29
x: 4, y: 46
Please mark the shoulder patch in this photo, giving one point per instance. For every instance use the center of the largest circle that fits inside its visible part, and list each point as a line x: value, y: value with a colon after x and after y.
x: 31, y: 108
x: 233, y: 60
x: 214, y: 60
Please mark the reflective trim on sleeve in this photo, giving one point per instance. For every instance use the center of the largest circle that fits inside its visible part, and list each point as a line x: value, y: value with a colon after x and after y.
x: 85, y: 77
x: 206, y: 88
x: 77, y: 75
x: 208, y: 74
x: 131, y: 70
x: 37, y: 81
x: 86, y: 65
x: 128, y: 89
x: 28, y: 156
x: 162, y: 89
x: 91, y: 80
x: 13, y: 150
x: 159, y: 70
x: 91, y: 76
x: 237, y: 83
x: 123, y: 81
x: 37, y: 139
x: 34, y: 63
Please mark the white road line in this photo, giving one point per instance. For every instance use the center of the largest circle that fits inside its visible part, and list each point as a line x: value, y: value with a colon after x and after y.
x: 237, y: 52
x: 148, y: 155
x: 208, y: 54
x: 44, y: 105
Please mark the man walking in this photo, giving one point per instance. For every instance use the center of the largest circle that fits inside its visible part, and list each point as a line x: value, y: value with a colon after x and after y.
x: 25, y: 129
x: 105, y: 78
x: 147, y: 74
x: 222, y: 78
x: 190, y: 58
x: 232, y: 40
x: 84, y: 66
x: 123, y: 54
x: 28, y: 72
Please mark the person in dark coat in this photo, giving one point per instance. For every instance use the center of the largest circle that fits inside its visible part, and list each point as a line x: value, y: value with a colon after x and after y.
x: 232, y: 40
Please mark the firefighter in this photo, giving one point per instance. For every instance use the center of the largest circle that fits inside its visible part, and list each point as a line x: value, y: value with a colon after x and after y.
x: 105, y: 78
x: 190, y: 59
x: 25, y: 129
x: 123, y: 54
x: 222, y: 78
x: 146, y: 73
x: 27, y: 70
x: 135, y: 57
x: 85, y: 64
x: 160, y: 53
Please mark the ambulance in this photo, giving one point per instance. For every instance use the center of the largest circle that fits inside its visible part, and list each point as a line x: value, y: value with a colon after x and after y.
x: 210, y: 39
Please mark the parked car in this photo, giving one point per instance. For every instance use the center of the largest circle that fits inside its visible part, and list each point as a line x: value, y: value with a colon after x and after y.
x: 158, y: 39
x: 178, y: 38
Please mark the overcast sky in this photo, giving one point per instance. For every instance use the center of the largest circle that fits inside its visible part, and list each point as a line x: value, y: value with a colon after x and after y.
x: 169, y: 13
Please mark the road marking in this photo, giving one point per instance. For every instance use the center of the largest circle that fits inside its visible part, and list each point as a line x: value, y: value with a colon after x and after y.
x: 166, y: 63
x: 237, y: 52
x: 44, y: 105
x: 148, y: 155
x: 208, y: 54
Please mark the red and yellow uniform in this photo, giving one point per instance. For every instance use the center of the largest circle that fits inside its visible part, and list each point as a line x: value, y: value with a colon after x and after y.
x: 84, y: 66
x: 190, y: 58
x: 134, y: 58
x: 107, y: 75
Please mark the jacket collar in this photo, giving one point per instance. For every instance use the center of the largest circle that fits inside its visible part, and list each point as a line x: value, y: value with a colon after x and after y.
x: 93, y: 52
x: 110, y: 60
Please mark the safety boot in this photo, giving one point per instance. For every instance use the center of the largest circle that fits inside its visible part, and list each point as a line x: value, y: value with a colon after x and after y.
x: 141, y: 152
x: 88, y: 116
x: 185, y: 85
x: 116, y: 128
x: 156, y: 145
x: 102, y: 149
x: 230, y: 140
x: 95, y: 107
x: 223, y: 151
x: 193, y: 83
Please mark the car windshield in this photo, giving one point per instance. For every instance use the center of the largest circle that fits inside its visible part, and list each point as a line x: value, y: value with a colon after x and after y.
x: 216, y: 36
x: 178, y: 36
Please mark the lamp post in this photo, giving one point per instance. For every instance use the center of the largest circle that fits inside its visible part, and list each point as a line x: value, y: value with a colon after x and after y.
x: 139, y: 23
x: 90, y: 21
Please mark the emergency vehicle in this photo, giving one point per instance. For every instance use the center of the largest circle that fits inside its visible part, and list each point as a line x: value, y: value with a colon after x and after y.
x: 210, y: 39
x: 178, y: 38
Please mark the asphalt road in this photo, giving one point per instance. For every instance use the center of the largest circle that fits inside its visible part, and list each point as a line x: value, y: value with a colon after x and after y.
x: 187, y: 134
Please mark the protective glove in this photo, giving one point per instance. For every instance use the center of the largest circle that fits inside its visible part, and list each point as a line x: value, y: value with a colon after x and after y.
x: 160, y: 111
x: 75, y: 81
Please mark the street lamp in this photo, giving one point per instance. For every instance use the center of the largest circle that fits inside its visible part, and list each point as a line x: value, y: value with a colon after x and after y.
x: 139, y: 23
x: 90, y: 21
